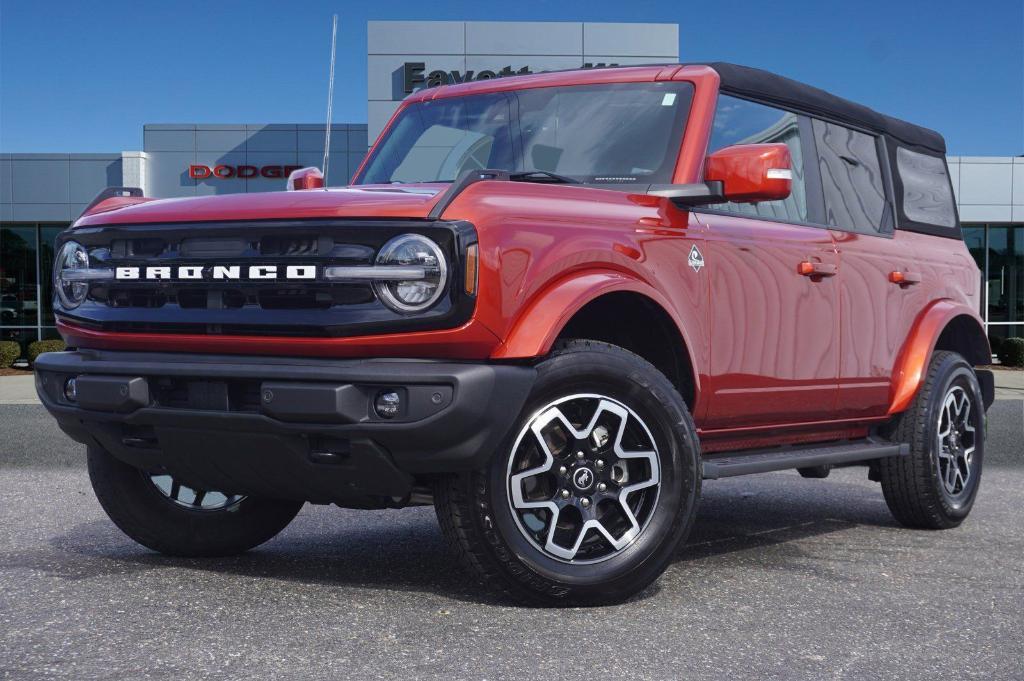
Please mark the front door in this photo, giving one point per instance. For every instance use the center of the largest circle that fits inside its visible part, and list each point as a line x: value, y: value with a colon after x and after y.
x: 774, y: 322
x: 774, y: 318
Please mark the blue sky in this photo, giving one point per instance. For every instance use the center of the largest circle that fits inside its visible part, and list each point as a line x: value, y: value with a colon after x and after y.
x: 85, y: 76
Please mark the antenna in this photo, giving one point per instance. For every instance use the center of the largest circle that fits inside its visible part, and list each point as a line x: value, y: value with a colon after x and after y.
x: 330, y: 101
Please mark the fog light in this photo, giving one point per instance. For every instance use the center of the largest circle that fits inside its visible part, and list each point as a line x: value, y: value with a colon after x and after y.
x: 387, y: 404
x: 71, y: 389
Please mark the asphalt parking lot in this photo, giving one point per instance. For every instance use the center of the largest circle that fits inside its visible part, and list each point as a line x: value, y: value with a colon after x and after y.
x: 782, y: 578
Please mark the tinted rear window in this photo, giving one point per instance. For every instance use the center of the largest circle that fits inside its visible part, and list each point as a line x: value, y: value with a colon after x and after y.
x: 927, y: 193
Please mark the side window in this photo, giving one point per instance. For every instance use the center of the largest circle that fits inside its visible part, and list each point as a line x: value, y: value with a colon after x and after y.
x: 851, y: 179
x: 927, y: 194
x: 738, y: 121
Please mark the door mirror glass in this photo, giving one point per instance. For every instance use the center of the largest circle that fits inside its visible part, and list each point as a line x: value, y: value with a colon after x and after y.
x: 751, y: 173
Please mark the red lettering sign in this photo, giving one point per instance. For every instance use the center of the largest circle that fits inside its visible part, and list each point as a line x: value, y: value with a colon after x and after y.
x: 226, y: 172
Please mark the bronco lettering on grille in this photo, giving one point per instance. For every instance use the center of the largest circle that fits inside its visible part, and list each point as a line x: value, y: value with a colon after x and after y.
x: 225, y: 272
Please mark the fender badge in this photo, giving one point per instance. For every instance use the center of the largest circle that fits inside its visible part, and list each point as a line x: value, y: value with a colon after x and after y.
x: 696, y: 260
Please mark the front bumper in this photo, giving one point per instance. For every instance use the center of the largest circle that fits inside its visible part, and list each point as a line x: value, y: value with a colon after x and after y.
x: 285, y: 427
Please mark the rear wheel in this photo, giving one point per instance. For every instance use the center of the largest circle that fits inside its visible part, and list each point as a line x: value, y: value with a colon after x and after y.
x: 594, y: 490
x: 936, y: 485
x: 165, y: 515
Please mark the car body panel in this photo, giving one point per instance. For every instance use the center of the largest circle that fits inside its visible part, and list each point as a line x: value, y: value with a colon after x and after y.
x: 774, y: 332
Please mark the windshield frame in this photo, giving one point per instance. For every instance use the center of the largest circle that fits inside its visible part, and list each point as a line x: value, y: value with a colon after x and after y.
x: 684, y: 89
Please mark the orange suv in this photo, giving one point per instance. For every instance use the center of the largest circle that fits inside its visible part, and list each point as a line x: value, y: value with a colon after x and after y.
x: 550, y: 305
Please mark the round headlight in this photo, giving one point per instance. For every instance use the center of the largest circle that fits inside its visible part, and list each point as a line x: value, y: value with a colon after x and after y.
x: 72, y: 256
x: 413, y: 295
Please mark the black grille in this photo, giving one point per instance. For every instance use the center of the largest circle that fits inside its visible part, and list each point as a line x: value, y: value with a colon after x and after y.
x: 308, y: 244
x: 245, y: 306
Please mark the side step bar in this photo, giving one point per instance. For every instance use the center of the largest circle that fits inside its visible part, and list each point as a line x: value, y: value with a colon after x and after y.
x: 777, y: 459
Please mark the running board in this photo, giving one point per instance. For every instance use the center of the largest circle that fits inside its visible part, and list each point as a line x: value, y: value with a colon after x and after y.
x: 776, y: 459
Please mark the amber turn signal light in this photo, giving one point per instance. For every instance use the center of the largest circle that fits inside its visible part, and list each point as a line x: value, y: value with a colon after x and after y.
x: 471, y: 269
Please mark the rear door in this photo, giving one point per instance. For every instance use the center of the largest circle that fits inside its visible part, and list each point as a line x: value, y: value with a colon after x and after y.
x: 876, y: 311
x: 774, y: 352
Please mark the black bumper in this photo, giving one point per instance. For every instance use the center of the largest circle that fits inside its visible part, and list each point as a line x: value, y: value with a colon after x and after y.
x: 285, y: 427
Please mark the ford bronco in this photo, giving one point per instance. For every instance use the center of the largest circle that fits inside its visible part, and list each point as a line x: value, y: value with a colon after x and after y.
x: 551, y: 305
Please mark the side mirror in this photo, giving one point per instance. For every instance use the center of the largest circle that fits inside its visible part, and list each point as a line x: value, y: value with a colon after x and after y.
x: 744, y: 173
x: 750, y: 173
x: 305, y: 178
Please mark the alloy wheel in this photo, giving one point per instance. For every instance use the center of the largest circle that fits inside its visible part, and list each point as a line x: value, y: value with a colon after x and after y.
x: 195, y: 499
x: 955, y: 441
x: 584, y: 478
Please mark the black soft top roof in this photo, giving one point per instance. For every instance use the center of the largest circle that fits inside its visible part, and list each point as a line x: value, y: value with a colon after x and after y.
x: 764, y: 85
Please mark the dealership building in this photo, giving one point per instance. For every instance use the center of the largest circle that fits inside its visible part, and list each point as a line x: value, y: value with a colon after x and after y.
x: 41, y: 194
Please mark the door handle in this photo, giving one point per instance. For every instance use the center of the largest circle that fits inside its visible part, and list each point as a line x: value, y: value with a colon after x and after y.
x: 904, y: 278
x: 817, y: 269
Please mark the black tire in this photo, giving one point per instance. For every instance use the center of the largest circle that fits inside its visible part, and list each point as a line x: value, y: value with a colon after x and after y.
x: 916, y: 486
x: 152, y: 519
x: 475, y: 509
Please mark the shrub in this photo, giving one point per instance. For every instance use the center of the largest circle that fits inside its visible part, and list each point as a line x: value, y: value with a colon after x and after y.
x: 39, y: 347
x: 1011, y: 352
x: 9, y: 351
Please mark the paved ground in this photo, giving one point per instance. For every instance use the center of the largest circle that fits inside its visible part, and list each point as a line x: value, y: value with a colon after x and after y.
x: 18, y: 390
x: 1009, y: 384
x: 782, y: 578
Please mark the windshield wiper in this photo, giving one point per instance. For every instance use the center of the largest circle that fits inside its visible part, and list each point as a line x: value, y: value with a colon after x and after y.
x: 541, y: 176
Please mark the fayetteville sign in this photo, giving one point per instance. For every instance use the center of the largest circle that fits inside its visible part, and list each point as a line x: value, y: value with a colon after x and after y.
x: 225, y: 172
x: 415, y: 75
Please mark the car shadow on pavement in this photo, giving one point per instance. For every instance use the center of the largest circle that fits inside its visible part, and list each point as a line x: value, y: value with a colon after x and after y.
x: 761, y: 511
x: 404, y: 550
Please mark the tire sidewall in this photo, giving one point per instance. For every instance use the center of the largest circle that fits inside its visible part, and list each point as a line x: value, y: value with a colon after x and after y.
x: 657, y: 403
x: 955, y: 372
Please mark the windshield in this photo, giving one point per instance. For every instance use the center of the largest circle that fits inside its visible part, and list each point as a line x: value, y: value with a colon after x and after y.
x: 615, y: 133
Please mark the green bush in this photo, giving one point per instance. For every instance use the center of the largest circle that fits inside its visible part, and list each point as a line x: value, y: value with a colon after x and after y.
x: 39, y: 347
x: 9, y: 351
x: 1011, y: 352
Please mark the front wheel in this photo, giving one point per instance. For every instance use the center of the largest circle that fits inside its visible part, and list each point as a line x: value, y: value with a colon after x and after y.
x: 936, y: 485
x: 165, y: 515
x: 592, y: 493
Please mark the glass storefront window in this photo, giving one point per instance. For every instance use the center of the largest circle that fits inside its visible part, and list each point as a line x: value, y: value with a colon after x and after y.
x: 26, y: 259
x: 997, y: 332
x: 1005, y: 273
x: 47, y: 237
x: 19, y: 300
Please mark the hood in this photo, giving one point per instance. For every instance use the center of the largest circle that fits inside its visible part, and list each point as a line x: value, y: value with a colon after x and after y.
x: 366, y: 201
